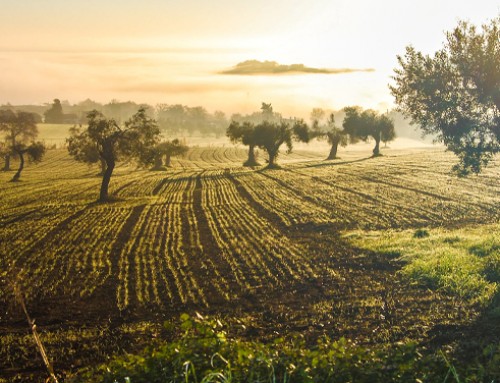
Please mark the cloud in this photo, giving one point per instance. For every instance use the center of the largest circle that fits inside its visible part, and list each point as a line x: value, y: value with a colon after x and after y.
x: 255, y: 67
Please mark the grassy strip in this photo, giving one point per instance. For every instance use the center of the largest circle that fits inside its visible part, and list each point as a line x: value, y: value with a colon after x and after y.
x: 463, y: 262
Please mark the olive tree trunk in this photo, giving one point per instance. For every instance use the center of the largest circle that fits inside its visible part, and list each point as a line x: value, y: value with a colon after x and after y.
x: 106, y: 177
x: 108, y: 156
x: 158, y: 163
x: 21, y: 166
x: 168, y: 160
x: 272, y: 159
x: 333, y: 149
x: 251, y: 161
x: 376, y: 150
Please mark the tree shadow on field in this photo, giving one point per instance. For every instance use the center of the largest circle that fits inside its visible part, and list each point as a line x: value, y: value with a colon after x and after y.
x: 325, y: 163
x: 436, y: 319
x: 477, y: 342
x: 333, y: 163
x: 374, y: 302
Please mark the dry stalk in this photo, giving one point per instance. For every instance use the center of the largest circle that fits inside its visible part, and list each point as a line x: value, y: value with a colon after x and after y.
x: 41, y: 349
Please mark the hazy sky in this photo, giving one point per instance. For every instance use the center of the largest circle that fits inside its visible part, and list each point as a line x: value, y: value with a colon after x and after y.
x: 174, y: 51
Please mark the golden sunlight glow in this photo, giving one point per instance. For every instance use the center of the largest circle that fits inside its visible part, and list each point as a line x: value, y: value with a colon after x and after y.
x: 156, y: 51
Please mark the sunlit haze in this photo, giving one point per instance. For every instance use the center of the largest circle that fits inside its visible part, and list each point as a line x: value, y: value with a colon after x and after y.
x: 159, y: 51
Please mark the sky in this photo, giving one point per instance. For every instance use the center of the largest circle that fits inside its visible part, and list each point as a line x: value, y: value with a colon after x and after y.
x: 227, y: 55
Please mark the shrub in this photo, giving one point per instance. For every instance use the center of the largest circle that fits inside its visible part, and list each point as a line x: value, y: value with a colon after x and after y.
x: 421, y: 233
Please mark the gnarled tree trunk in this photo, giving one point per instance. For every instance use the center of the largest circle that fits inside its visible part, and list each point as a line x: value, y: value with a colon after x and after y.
x: 376, y: 150
x: 333, y: 149
x: 272, y: 159
x: 168, y: 160
x: 106, y: 177
x: 109, y: 157
x: 158, y: 163
x: 251, y: 161
x: 16, y: 177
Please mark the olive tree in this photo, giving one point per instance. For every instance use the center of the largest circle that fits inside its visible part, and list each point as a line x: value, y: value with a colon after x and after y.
x: 161, y: 154
x: 244, y: 133
x: 363, y: 124
x: 270, y: 136
x: 84, y: 150
x: 20, y: 131
x: 111, y: 142
x: 334, y: 135
x: 7, y: 118
x: 5, y: 154
x: 455, y: 93
x: 242, y: 129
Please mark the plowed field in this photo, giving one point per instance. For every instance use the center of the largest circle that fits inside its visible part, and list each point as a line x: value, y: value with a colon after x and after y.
x: 208, y: 235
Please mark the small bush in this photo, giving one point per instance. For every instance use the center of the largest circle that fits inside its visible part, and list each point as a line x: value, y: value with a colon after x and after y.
x: 421, y: 233
x: 451, y: 240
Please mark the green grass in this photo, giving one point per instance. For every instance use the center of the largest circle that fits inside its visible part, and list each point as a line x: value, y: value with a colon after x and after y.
x: 201, y: 351
x: 464, y: 262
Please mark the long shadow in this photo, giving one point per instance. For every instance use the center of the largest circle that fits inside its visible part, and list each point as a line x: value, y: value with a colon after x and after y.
x: 295, y: 191
x: 199, y: 172
x: 61, y: 226
x: 395, y: 185
x: 477, y: 342
x: 164, y: 181
x: 106, y: 294
x: 261, y: 210
x: 326, y: 163
x: 16, y: 218
x: 207, y: 239
x: 332, y: 184
x: 330, y: 163
x: 122, y: 187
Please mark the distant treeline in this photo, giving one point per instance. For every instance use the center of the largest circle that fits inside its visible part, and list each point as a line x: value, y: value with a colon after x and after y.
x: 173, y: 119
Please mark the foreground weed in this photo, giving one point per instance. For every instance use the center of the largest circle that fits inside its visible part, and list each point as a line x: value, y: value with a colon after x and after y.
x: 20, y: 299
x: 202, y: 353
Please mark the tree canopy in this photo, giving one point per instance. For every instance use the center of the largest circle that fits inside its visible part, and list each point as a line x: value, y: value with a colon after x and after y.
x: 55, y: 114
x: 456, y: 93
x: 244, y: 133
x: 18, y: 126
x: 175, y: 119
x: 105, y: 139
x: 368, y: 123
x: 20, y: 131
x: 267, y: 135
x: 242, y: 129
x: 161, y: 154
x: 270, y: 136
x: 334, y: 135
